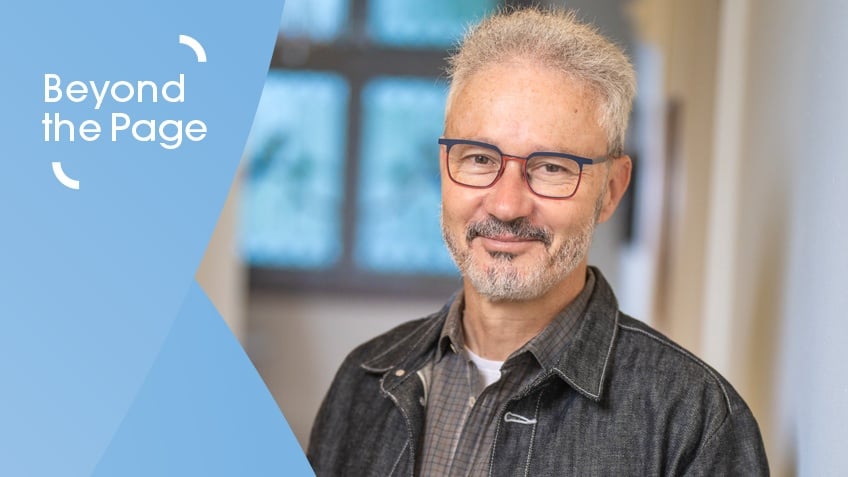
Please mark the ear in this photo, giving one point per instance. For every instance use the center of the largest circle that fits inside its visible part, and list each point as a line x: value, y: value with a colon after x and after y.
x: 618, y: 179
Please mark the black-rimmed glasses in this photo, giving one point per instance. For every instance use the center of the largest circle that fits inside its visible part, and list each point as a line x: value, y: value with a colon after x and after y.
x: 554, y: 175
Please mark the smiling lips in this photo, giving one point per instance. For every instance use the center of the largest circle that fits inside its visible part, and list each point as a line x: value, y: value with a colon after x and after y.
x: 507, y: 243
x: 502, y: 234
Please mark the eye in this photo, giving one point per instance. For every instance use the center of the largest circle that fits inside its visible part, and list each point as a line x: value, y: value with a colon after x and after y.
x: 553, y: 166
x: 482, y: 160
x: 473, y: 159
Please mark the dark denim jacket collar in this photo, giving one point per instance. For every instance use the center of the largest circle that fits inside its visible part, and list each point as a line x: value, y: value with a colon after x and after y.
x: 583, y: 365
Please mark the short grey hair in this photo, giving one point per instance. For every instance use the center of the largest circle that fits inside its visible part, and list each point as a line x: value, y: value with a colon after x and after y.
x: 556, y: 39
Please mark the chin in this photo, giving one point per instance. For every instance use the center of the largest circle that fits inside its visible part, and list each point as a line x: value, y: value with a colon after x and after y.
x: 504, y: 280
x: 507, y: 277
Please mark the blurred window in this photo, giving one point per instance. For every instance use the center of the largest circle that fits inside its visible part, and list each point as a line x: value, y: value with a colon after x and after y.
x: 293, y: 193
x: 399, y: 189
x: 317, y: 20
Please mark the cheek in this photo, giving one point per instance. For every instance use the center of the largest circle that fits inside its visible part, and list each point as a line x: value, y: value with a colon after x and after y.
x: 461, y: 205
x: 564, y: 219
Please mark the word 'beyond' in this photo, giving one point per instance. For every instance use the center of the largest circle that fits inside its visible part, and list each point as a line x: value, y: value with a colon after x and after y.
x: 119, y: 91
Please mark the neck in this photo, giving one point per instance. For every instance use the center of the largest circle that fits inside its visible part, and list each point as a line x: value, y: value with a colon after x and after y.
x: 495, y: 329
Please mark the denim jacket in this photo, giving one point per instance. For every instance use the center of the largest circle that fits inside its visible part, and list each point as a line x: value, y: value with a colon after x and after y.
x: 623, y: 400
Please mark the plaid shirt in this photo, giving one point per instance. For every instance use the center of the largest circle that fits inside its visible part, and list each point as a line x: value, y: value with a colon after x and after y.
x: 462, y: 414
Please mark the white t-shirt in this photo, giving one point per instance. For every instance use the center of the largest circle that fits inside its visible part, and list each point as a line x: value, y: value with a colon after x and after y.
x: 490, y: 371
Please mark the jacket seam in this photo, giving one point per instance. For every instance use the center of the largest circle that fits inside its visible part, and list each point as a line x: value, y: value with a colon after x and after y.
x: 409, y: 437
x: 707, y: 442
x: 495, y: 439
x: 533, y: 433
x: 397, y: 461
x: 536, y: 384
x: 691, y: 357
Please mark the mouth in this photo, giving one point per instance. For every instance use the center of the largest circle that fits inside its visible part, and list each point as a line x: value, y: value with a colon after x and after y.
x: 506, y: 240
x: 500, y: 235
x: 509, y: 245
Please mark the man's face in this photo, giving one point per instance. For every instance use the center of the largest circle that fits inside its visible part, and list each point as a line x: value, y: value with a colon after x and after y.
x: 509, y: 243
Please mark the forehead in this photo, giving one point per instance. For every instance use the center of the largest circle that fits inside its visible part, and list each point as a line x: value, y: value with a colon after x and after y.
x: 522, y: 107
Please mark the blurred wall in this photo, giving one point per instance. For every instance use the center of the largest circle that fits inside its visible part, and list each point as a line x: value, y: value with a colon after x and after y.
x: 756, y: 259
x: 790, y: 250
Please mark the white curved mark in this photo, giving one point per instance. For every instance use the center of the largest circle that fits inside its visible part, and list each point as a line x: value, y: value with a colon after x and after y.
x: 195, y: 46
x: 63, y: 178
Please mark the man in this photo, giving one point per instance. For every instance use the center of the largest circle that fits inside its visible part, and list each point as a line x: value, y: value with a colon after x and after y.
x: 531, y: 369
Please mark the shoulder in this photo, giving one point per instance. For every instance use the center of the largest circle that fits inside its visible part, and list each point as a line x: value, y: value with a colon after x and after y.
x: 669, y: 373
x: 714, y: 429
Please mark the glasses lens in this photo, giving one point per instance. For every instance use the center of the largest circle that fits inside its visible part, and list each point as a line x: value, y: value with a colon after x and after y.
x: 473, y: 165
x: 553, y: 176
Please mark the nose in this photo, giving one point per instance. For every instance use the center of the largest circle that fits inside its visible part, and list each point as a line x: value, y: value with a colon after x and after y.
x: 510, y: 198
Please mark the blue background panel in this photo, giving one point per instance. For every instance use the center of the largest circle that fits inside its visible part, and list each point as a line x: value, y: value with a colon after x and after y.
x: 91, y: 280
x: 203, y: 410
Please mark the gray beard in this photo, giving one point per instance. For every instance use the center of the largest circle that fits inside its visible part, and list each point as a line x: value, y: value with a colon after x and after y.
x: 504, y: 281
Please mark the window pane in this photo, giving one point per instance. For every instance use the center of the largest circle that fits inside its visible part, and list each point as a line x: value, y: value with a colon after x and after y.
x: 432, y: 23
x: 292, y: 196
x: 318, y: 20
x: 399, y: 192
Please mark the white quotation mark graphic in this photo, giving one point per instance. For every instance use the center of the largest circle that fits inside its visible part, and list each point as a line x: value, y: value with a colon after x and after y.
x: 74, y: 184
x: 194, y: 45
x: 63, y: 178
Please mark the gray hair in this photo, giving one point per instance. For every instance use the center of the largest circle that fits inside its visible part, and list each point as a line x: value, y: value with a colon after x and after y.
x: 556, y: 39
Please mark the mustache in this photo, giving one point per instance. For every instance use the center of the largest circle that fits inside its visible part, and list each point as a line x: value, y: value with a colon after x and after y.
x: 519, y: 228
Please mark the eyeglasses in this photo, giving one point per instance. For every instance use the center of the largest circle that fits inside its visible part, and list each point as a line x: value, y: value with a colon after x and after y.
x: 554, y: 175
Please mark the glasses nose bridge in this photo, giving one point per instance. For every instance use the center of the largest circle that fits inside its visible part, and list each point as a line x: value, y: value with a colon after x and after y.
x: 522, y: 161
